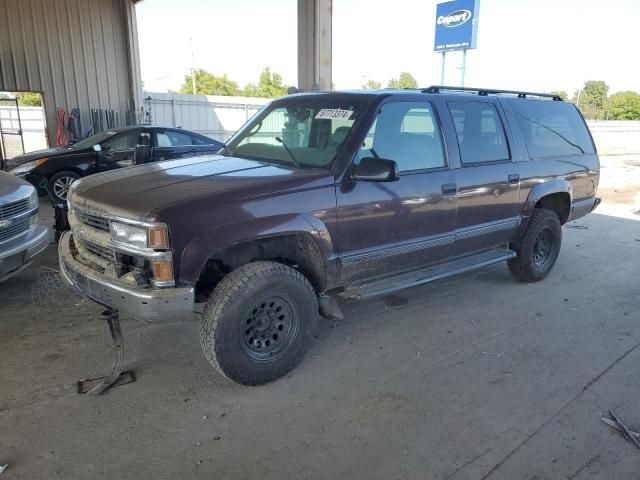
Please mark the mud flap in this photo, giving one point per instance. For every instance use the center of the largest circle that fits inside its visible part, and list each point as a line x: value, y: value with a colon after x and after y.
x: 329, y: 308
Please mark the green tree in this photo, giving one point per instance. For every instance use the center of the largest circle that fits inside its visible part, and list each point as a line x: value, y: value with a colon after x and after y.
x: 406, y: 80
x: 269, y: 85
x: 592, y: 99
x: 29, y: 99
x: 624, y: 106
x: 372, y: 85
x: 560, y: 93
x: 25, y: 99
x: 209, y: 84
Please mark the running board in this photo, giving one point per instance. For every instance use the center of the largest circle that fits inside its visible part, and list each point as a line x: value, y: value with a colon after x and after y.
x: 382, y: 286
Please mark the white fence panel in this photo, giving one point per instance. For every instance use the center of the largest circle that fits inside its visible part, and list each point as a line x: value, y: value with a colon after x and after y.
x: 615, y: 136
x: 217, y: 117
x: 33, y: 125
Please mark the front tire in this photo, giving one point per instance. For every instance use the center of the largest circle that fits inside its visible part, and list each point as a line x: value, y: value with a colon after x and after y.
x: 538, y: 249
x: 59, y: 184
x: 259, y: 322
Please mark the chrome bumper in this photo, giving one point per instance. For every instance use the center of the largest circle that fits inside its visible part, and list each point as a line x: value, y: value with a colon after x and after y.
x: 163, y: 304
x: 20, y: 252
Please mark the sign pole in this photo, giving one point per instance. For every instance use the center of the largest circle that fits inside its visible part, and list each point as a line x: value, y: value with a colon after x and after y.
x: 464, y: 66
x: 442, y: 69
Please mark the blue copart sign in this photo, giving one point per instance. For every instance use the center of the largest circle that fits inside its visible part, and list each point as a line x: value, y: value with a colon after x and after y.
x: 456, y: 25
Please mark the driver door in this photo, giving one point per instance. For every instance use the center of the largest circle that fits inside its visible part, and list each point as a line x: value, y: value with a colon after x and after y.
x: 118, y: 151
x: 404, y: 224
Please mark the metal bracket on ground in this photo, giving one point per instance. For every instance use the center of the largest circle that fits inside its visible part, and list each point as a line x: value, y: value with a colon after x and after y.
x: 98, y: 385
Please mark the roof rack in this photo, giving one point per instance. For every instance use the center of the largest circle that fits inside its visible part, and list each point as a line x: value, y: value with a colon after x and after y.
x: 490, y: 91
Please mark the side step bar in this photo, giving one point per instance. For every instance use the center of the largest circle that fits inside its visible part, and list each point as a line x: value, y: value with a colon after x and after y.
x: 385, y: 285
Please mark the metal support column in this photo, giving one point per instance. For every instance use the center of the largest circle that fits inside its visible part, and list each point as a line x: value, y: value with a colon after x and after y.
x: 314, y: 44
x: 464, y: 66
x: 442, y: 68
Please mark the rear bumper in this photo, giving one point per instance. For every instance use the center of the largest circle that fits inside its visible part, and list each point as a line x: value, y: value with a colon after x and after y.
x: 162, y: 304
x: 582, y: 207
x: 20, y: 252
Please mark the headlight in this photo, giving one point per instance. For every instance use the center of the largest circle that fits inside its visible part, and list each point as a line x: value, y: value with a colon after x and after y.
x: 128, y: 234
x: 139, y: 237
x: 33, y: 199
x: 27, y: 167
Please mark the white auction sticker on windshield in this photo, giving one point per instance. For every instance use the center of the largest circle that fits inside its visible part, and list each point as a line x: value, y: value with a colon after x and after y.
x: 334, y: 113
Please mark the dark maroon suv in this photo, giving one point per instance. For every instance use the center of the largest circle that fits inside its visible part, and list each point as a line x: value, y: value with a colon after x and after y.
x: 350, y: 194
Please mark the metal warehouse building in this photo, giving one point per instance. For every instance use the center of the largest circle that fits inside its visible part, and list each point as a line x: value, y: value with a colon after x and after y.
x: 83, y: 54
x: 77, y: 53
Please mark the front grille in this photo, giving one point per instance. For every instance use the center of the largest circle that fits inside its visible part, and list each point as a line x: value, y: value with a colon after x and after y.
x: 14, y: 209
x: 14, y: 229
x: 99, y: 250
x: 93, y: 220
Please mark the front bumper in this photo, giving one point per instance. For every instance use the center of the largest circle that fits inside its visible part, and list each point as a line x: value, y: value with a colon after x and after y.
x: 19, y: 252
x: 150, y: 304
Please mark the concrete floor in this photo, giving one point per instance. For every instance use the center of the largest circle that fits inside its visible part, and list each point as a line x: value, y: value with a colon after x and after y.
x: 472, y: 377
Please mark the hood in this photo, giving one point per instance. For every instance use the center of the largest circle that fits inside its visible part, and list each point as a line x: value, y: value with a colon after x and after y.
x: 27, y: 157
x: 140, y: 191
x: 13, y: 188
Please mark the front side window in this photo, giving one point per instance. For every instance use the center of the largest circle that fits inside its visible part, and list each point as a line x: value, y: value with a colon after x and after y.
x: 407, y: 133
x: 312, y: 130
x: 552, y: 128
x: 480, y: 133
x: 123, y: 141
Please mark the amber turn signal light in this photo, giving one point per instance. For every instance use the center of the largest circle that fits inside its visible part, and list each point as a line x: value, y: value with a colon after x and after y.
x: 158, y: 237
x: 162, y: 271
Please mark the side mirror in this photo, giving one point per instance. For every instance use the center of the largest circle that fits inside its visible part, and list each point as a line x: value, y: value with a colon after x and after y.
x: 97, y: 148
x: 374, y: 169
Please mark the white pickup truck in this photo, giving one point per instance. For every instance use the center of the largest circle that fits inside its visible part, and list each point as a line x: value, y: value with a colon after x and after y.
x: 21, y: 238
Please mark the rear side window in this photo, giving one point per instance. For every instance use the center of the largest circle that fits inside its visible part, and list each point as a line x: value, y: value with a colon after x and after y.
x: 480, y: 132
x: 171, y: 138
x: 552, y: 128
x: 200, y: 141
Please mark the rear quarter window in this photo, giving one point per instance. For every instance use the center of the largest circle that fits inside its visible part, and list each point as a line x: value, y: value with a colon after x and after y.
x: 552, y: 128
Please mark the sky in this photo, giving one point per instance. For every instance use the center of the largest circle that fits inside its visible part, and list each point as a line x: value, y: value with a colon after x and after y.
x: 539, y: 45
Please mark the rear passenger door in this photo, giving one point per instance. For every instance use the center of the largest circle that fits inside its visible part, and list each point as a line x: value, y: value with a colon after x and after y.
x: 488, y: 179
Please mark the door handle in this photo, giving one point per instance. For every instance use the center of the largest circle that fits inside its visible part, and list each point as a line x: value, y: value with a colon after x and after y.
x: 514, y: 178
x: 449, y: 189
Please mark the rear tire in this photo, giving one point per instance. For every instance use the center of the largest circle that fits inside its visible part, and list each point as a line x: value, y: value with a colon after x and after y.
x: 259, y: 322
x: 538, y: 249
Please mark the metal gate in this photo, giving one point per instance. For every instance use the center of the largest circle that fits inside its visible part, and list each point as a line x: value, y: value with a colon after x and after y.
x: 11, y: 141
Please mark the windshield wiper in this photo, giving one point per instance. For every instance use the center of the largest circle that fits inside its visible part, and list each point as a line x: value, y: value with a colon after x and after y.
x: 293, y: 157
x: 226, y: 151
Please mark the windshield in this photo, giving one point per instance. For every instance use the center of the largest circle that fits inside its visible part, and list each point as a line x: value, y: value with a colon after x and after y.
x: 303, y: 131
x: 94, y: 139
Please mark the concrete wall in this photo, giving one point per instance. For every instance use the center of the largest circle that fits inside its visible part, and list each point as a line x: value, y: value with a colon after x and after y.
x: 77, y: 53
x: 615, y: 136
